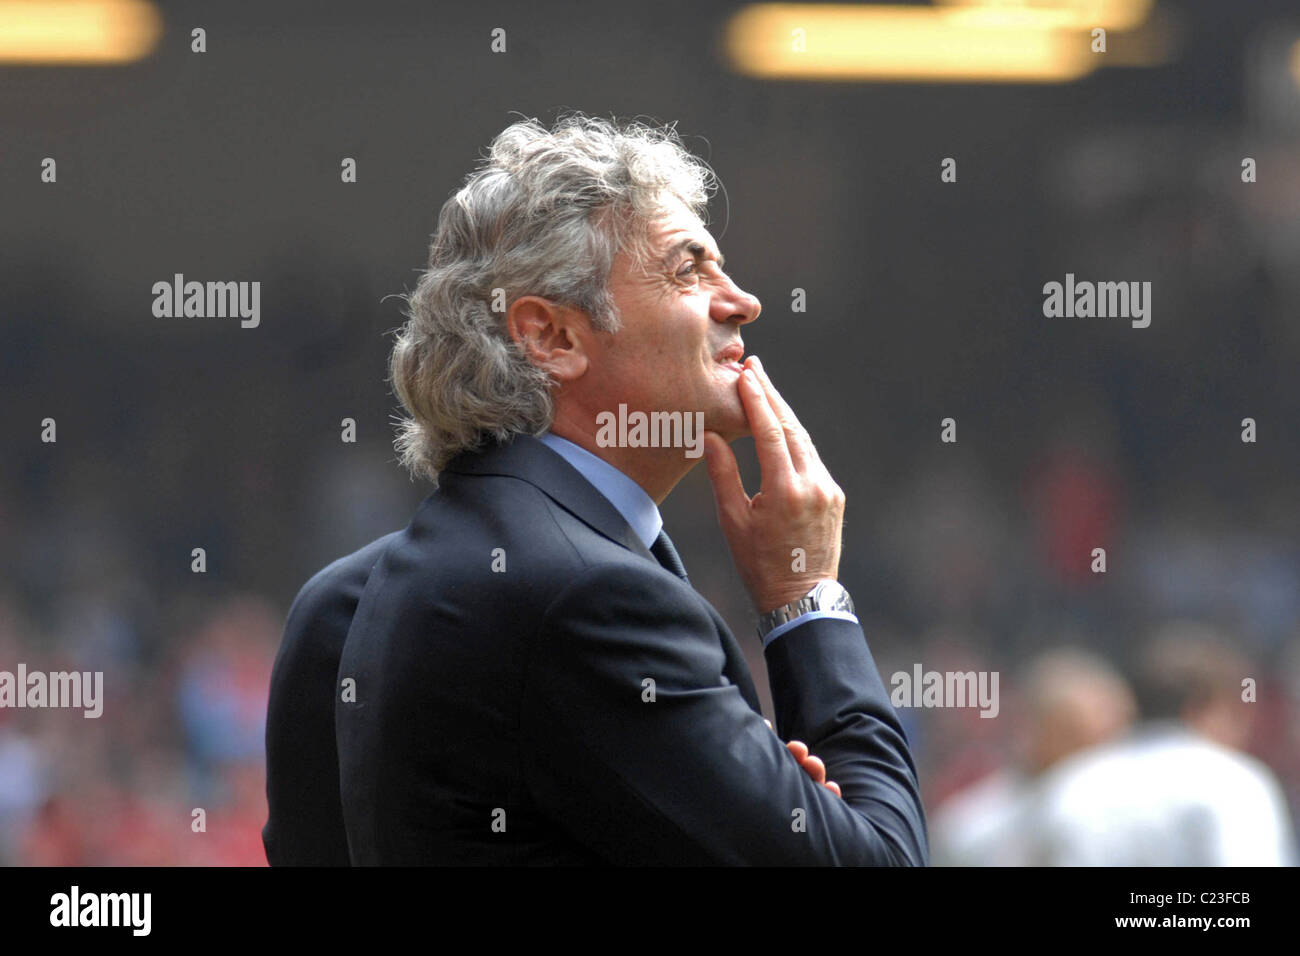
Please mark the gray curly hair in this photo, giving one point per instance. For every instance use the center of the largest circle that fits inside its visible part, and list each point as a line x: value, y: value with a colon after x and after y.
x: 544, y: 214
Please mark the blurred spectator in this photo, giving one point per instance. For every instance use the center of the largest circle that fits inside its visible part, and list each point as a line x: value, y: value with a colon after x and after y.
x: 1073, y: 701
x: 21, y: 787
x: 1178, y: 792
x: 223, y: 691
x: 1074, y: 499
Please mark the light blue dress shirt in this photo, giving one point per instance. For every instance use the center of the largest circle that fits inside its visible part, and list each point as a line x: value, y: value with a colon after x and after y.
x: 642, y: 514
x: 628, y: 498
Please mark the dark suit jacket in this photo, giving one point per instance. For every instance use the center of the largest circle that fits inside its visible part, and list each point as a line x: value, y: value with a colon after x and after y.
x: 305, y: 824
x: 505, y: 716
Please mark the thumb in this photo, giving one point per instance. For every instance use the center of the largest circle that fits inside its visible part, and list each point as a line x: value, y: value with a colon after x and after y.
x: 724, y: 474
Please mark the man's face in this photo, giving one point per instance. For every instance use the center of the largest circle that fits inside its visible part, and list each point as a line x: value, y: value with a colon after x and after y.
x: 679, y: 348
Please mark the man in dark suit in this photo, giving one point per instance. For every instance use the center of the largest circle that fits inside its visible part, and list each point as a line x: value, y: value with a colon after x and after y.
x: 527, y: 675
x: 305, y: 827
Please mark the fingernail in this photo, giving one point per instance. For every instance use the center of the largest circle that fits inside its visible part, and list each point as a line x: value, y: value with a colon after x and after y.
x: 758, y: 364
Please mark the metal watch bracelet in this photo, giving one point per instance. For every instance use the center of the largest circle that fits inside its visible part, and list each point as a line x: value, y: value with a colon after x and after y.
x: 827, y: 595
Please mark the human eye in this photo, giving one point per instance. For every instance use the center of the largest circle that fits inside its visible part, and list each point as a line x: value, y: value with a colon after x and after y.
x: 687, y: 269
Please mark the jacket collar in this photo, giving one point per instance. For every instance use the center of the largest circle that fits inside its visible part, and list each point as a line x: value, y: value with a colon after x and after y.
x: 528, y: 459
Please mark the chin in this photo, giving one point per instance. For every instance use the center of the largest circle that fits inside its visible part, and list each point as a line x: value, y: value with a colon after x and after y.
x: 730, y: 426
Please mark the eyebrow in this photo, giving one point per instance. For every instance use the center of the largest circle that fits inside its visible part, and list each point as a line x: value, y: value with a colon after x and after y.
x: 695, y: 247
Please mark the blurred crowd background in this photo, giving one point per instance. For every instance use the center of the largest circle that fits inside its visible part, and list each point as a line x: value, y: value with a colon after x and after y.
x: 924, y: 302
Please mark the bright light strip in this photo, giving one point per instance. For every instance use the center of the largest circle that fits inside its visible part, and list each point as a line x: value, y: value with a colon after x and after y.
x: 1083, y: 15
x: 959, y: 42
x: 77, y: 31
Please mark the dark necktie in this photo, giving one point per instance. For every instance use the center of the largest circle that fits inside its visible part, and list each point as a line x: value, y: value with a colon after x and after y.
x: 666, y: 555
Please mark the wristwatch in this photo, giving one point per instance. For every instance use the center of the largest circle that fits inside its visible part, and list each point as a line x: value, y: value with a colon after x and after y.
x: 827, y: 595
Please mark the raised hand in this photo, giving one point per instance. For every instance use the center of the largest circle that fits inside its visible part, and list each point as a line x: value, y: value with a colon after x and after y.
x: 798, y: 505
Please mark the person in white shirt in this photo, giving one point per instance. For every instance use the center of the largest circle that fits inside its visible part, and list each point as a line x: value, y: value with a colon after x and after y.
x: 1073, y: 700
x: 1178, y: 791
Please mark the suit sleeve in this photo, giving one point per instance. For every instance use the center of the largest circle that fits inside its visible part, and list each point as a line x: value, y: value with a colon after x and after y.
x: 304, y: 824
x: 637, y: 745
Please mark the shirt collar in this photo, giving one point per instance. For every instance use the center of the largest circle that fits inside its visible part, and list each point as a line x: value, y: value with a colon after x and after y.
x: 628, y: 498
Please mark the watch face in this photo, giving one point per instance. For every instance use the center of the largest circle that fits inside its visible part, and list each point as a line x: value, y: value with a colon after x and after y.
x: 831, y: 596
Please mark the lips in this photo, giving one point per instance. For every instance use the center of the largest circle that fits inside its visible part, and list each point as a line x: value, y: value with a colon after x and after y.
x: 732, y: 354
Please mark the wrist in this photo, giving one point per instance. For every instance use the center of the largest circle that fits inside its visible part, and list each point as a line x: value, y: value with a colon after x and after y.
x: 826, y: 594
x: 774, y: 598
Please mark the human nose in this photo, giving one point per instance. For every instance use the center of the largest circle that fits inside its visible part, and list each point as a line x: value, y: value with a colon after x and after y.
x: 736, y: 305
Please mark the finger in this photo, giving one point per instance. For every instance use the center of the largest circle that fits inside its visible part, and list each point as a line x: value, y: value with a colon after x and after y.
x: 796, y: 437
x: 779, y: 404
x: 815, y: 768
x: 769, y: 435
x: 724, y: 475
x: 834, y: 788
x: 799, y: 749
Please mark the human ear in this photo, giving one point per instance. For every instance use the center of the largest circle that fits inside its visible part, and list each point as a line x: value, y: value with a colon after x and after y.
x: 553, y: 337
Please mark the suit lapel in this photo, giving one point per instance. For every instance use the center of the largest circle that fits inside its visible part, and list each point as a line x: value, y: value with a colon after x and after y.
x: 527, y: 458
